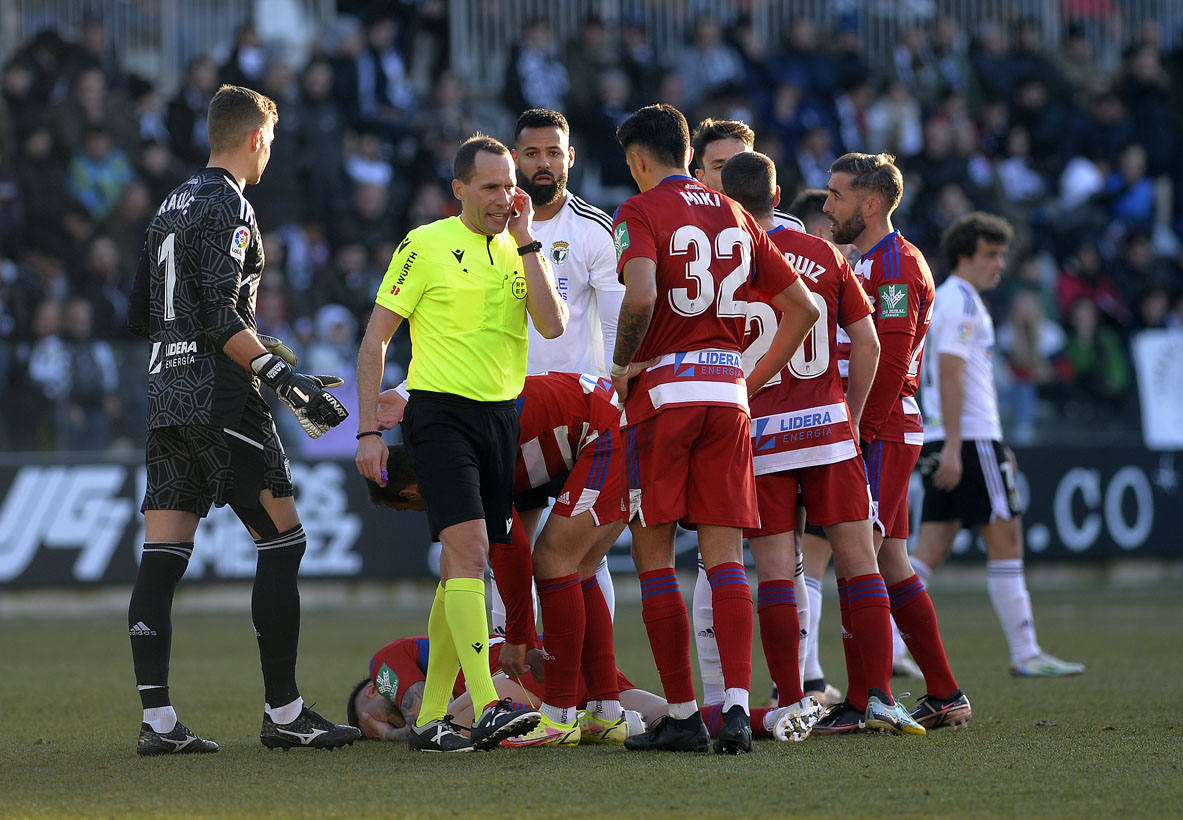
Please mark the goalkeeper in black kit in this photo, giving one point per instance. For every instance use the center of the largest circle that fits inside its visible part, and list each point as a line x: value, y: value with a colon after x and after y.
x: 211, y: 438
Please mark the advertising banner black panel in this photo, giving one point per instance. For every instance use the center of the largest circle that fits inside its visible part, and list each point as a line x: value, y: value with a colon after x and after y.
x: 73, y: 522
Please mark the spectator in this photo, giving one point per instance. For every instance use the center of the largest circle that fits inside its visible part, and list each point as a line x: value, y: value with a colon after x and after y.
x: 709, y: 63
x: 893, y: 122
x: 105, y: 284
x: 952, y: 59
x: 278, y: 198
x: 1029, y: 341
x: 1130, y: 192
x: 915, y: 66
x: 24, y: 110
x: 814, y: 155
x: 148, y: 111
x: 534, y: 78
x: 365, y: 160
x: 185, y: 116
x: 588, y: 55
x: 1093, y: 366
x: 1085, y: 276
x: 46, y: 377
x: 1145, y: 89
x: 90, y: 106
x: 41, y: 179
x: 350, y: 281
x: 996, y: 71
x: 97, y: 176
x: 334, y: 350
x: 90, y: 404
x: 318, y: 135
x: 158, y: 169
x: 247, y: 60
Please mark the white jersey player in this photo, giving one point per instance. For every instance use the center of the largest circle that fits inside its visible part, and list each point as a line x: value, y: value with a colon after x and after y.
x: 969, y: 477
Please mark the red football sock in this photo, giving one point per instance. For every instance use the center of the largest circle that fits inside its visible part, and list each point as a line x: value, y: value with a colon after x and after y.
x: 599, y: 658
x: 513, y: 568
x: 780, y: 635
x: 731, y: 599
x: 563, y: 626
x: 856, y: 680
x: 664, y: 612
x: 870, y: 621
x: 757, y: 721
x: 914, y: 615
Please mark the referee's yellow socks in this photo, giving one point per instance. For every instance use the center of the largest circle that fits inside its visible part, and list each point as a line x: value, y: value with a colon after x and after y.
x: 442, y: 663
x: 465, y: 603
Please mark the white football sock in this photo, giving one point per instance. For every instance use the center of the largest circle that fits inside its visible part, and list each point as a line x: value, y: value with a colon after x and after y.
x: 813, y: 667
x: 609, y: 710
x: 496, y: 608
x: 559, y: 714
x: 604, y: 579
x: 162, y: 719
x: 709, y: 664
x: 802, y: 614
x: 283, y: 715
x: 1007, y: 586
x: 736, y: 697
x: 923, y: 571
x: 681, y: 711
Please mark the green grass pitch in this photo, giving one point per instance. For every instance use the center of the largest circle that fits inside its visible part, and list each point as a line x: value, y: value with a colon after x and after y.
x: 1109, y: 742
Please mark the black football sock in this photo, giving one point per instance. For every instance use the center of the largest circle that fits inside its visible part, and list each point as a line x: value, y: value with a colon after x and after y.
x: 149, y: 617
x: 275, y: 609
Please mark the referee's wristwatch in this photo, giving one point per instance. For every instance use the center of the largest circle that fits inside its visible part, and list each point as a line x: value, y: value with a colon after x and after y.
x: 533, y: 247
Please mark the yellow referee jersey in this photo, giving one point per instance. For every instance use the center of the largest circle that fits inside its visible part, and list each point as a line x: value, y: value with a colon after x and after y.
x: 464, y: 295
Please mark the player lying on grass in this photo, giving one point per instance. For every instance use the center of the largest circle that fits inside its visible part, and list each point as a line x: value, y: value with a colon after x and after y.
x: 384, y: 703
x: 570, y: 433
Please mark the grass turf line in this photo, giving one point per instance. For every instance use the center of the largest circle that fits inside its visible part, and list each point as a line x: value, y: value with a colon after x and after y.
x: 1108, y: 740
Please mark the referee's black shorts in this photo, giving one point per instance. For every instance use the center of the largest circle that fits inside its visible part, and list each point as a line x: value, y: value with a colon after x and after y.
x: 464, y: 453
x: 985, y: 493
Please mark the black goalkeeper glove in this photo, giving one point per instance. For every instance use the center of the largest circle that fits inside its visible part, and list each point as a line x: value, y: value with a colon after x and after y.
x: 315, y: 409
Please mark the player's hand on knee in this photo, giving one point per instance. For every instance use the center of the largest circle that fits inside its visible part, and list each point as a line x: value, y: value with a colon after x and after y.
x: 315, y: 409
x: 391, y: 406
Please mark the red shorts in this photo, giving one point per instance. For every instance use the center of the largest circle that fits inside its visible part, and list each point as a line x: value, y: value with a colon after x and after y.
x: 832, y: 494
x: 596, y: 482
x: 692, y: 463
x: 889, y: 469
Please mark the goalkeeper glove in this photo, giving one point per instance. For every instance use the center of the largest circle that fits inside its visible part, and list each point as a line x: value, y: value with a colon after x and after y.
x: 278, y: 347
x: 315, y: 409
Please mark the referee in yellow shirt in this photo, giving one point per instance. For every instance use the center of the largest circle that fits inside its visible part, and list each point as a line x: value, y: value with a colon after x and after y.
x: 465, y: 284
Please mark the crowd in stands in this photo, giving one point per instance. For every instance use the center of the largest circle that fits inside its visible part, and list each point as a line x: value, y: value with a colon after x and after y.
x: 1076, y: 153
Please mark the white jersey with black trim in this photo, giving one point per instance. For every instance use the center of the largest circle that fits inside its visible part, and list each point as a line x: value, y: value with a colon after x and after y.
x: 577, y: 242
x: 784, y: 219
x: 961, y: 326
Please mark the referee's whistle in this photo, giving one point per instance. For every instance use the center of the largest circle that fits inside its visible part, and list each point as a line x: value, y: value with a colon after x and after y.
x: 385, y: 477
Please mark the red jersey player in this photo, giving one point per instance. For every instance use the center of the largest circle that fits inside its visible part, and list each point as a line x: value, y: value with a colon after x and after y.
x: 570, y: 430
x: 864, y: 189
x: 803, y: 437
x: 690, y: 258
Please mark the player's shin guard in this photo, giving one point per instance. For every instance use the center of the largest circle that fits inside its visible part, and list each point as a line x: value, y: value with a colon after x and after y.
x: 731, y: 598
x: 780, y: 631
x: 149, y: 617
x: 870, y: 620
x: 464, y: 602
x: 709, y: 666
x: 598, y: 660
x: 913, y: 612
x: 856, y: 681
x: 442, y: 663
x: 275, y: 610
x: 561, y: 601
x: 664, y: 613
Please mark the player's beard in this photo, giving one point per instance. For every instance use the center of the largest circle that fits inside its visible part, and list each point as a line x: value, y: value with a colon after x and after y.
x: 846, y: 232
x: 545, y: 194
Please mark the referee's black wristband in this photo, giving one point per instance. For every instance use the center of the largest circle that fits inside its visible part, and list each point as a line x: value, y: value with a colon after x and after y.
x: 365, y: 433
x: 533, y: 247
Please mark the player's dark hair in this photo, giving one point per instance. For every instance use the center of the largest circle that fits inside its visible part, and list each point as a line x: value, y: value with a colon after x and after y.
x: 399, y: 475
x: 659, y: 129
x: 808, y: 204
x: 876, y: 173
x: 234, y: 114
x: 749, y: 178
x: 464, y: 164
x: 710, y: 130
x: 351, y: 705
x: 540, y: 118
x: 961, y: 238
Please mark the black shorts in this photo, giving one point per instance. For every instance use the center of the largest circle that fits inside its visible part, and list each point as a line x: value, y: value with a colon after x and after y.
x: 985, y: 493
x: 536, y: 498
x: 192, y: 467
x: 464, y: 453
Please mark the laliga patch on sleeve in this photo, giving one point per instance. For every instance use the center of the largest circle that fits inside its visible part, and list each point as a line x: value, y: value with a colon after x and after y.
x: 964, y: 331
x: 238, y: 243
x: 386, y: 682
x: 620, y: 239
x: 893, y: 301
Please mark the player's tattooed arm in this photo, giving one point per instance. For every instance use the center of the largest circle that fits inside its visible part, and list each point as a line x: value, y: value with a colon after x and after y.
x: 412, y: 702
x: 636, y: 311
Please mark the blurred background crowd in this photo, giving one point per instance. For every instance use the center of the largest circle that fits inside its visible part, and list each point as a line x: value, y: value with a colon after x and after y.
x: 1073, y: 143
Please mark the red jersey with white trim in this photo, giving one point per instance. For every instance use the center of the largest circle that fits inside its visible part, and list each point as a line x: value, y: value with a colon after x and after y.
x: 896, y: 277
x: 561, y: 414
x: 711, y: 258
x: 800, y: 418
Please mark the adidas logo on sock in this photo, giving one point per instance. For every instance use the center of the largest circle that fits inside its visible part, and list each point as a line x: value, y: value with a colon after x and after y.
x: 141, y: 630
